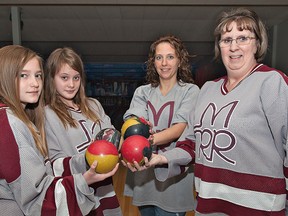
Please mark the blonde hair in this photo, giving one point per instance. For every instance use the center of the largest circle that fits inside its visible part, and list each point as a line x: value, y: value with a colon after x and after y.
x: 55, y: 61
x: 13, y: 58
x: 245, y: 19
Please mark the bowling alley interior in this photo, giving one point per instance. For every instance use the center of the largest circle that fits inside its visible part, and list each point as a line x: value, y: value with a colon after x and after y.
x: 113, y: 39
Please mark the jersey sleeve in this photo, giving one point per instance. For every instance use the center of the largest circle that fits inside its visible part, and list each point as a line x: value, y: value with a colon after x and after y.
x: 138, y: 105
x: 274, y: 97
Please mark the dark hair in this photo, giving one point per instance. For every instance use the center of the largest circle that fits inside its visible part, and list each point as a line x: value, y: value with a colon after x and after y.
x: 184, y: 71
x: 245, y: 19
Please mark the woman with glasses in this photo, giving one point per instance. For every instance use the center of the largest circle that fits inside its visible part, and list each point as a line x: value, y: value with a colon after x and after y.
x: 240, y: 125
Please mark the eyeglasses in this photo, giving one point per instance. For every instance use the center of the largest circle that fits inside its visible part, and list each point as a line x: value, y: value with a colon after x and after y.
x: 239, y: 40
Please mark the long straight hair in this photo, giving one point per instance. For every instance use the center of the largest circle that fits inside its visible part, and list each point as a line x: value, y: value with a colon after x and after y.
x: 57, y: 59
x: 13, y: 58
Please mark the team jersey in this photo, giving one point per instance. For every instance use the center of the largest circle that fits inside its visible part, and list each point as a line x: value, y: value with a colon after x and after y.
x: 168, y: 187
x: 27, y: 183
x: 241, y: 145
x: 73, y: 141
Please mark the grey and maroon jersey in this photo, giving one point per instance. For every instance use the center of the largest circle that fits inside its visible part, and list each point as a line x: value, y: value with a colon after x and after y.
x: 169, y: 187
x: 241, y: 145
x: 63, y: 142
x: 27, y: 183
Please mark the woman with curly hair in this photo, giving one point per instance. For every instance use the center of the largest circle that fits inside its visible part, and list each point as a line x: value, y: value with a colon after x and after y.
x: 166, y: 102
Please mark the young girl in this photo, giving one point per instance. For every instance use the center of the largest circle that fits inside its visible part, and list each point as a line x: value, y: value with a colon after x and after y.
x: 27, y: 183
x: 73, y: 120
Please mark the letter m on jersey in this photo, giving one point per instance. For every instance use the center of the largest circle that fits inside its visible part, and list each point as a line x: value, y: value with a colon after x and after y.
x: 213, y: 132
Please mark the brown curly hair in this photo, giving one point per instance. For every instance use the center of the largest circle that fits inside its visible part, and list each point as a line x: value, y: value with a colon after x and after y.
x: 184, y: 73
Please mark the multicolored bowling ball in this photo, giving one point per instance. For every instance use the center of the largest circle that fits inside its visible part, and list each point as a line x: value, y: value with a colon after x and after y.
x: 110, y: 134
x: 135, y: 126
x: 135, y: 148
x: 105, y: 153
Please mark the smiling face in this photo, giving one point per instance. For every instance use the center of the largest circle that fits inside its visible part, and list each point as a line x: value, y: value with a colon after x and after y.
x: 30, y: 82
x: 67, y: 83
x: 238, y: 58
x: 166, y: 61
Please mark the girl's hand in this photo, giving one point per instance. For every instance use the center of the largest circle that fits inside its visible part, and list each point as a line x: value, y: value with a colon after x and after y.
x: 91, y: 176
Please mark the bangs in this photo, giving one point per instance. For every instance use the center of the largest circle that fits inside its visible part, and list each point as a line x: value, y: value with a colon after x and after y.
x: 243, y: 23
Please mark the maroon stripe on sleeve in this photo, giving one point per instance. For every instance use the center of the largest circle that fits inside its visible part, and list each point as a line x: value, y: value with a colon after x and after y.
x: 66, y: 166
x: 187, y: 145
x: 68, y: 183
x: 106, y: 204
x: 9, y: 152
x: 49, y: 206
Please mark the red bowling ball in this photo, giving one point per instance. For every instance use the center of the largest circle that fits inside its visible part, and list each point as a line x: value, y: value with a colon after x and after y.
x: 134, y: 148
x: 105, y: 153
